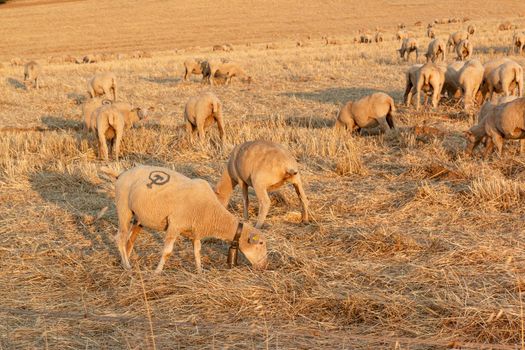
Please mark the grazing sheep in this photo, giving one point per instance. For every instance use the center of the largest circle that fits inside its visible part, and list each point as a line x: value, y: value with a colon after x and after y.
x: 200, y: 112
x: 91, y: 58
x: 194, y: 66
x: 32, y: 72
x: 109, y: 127
x: 411, y: 82
x: 451, y: 86
x: 518, y: 41
x: 436, y: 49
x: 455, y: 38
x: 464, y: 50
x: 379, y: 37
x: 401, y: 34
x: 328, y: 41
x: 369, y: 111
x: 470, y: 78
x: 507, y: 121
x: 401, y: 26
x: 418, y: 23
x: 132, y: 115
x: 230, y: 70
x: 189, y: 207
x: 17, y: 61
x: 504, y: 78
x: 69, y: 59
x: 477, y: 133
x: 225, y: 47
x: 365, y: 39
x: 264, y: 165
x: 431, y: 33
x: 88, y: 112
x: 471, y: 29
x: 103, y: 84
x: 507, y: 26
x: 408, y: 46
x: 428, y: 77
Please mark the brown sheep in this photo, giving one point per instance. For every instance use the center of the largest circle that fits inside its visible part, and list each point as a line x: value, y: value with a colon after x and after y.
x: 164, y: 200
x: 365, y: 39
x: 369, y: 111
x: 408, y: 46
x: 264, y: 165
x: 436, y: 49
x: 200, y: 112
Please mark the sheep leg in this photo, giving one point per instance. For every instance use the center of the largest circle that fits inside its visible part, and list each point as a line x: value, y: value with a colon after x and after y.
x: 135, y: 230
x: 264, y: 204
x: 245, y: 200
x: 298, y: 185
x: 102, y: 145
x: 488, y: 147
x: 171, y: 237
x: 220, y: 126
x: 197, y: 253
x: 498, y: 141
x: 200, y: 131
x: 124, y: 218
x: 189, y: 130
x: 117, y: 139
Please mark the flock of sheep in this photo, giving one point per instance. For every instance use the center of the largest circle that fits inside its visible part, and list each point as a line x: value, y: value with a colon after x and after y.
x: 162, y: 199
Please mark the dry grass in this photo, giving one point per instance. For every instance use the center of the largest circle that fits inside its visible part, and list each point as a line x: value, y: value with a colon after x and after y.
x: 412, y: 245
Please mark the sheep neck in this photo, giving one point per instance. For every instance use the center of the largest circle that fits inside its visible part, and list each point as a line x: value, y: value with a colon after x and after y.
x: 218, y: 223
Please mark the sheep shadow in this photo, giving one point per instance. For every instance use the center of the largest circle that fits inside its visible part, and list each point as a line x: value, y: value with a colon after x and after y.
x: 81, y: 199
x: 493, y: 50
x: 162, y: 81
x: 57, y: 123
x: 17, y: 84
x: 77, y: 98
x: 309, y: 123
x: 338, y: 95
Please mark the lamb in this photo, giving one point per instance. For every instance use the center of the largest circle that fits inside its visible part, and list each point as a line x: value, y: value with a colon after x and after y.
x: 455, y: 38
x: 507, y: 121
x: 518, y: 41
x: 164, y: 200
x: 200, y: 112
x: 408, y: 46
x: 369, y: 111
x: 464, y: 50
x: 429, y: 76
x: 504, y: 79
x: 471, y: 29
x: 194, y: 66
x: 436, y: 49
x: 451, y: 86
x: 109, y: 127
x: 88, y: 109
x: 103, y: 84
x: 264, y: 165
x: 476, y: 133
x: 470, y: 79
x: 32, y: 72
x: 230, y: 70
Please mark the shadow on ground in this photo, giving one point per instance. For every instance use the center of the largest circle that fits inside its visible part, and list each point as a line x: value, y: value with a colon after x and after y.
x: 57, y: 123
x: 17, y: 84
x: 339, y: 95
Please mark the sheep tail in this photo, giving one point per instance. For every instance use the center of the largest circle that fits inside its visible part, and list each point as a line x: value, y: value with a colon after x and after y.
x: 110, y: 172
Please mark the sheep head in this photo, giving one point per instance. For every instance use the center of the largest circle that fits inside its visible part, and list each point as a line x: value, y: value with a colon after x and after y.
x: 253, y: 245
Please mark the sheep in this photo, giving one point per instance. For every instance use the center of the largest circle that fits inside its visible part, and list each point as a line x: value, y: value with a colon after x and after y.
x: 428, y: 76
x: 518, y: 42
x: 328, y: 41
x: 109, y: 127
x: 471, y: 29
x: 369, y: 111
x: 91, y: 58
x: 379, y: 37
x: 200, y: 112
x: 464, y: 50
x: 408, y: 46
x: 504, y: 78
x: 32, y: 72
x: 477, y: 133
x: 225, y: 47
x: 194, y: 66
x: 455, y: 39
x: 451, y: 85
x: 88, y: 109
x: 103, y: 84
x: 17, y: 61
x: 431, y: 33
x: 507, y: 121
x: 411, y: 81
x: 418, y: 23
x: 365, y: 39
x: 401, y: 34
x: 132, y: 115
x: 162, y: 199
x: 507, y: 26
x: 230, y: 70
x: 436, y: 49
x: 470, y: 78
x: 264, y: 165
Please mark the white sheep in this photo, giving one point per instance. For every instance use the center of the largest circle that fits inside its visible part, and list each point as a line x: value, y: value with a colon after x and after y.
x: 369, y: 111
x: 88, y: 111
x: 200, y: 112
x: 436, y: 49
x: 230, y: 70
x: 428, y: 77
x: 103, y: 84
x: 464, y: 50
x: 507, y: 121
x: 264, y: 165
x: 194, y: 66
x: 503, y: 78
x: 455, y: 38
x: 518, y: 41
x: 32, y: 71
x: 408, y: 46
x: 451, y: 86
x: 109, y: 127
x: 470, y: 78
x: 164, y: 200
x: 132, y: 115
x: 471, y: 29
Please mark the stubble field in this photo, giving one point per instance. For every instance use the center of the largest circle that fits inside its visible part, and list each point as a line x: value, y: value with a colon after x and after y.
x: 412, y: 245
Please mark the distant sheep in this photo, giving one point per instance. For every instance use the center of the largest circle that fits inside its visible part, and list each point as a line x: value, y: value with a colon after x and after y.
x: 230, y: 70
x: 200, y: 112
x: 369, y: 111
x: 379, y: 37
x: 103, y: 84
x: 17, y: 61
x: 408, y: 46
x: 91, y: 58
x: 401, y: 34
x: 507, y: 26
x: 455, y: 38
x: 431, y: 33
x: 365, y: 39
x: 194, y: 66
x: 464, y: 50
x: 436, y: 49
x: 264, y: 165
x: 471, y: 29
x: 328, y: 41
x: 518, y: 41
x: 32, y: 71
x: 225, y: 47
x: 164, y: 200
